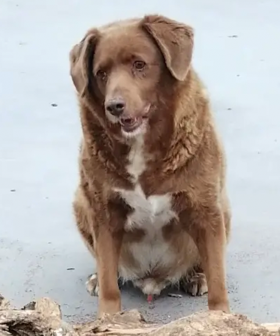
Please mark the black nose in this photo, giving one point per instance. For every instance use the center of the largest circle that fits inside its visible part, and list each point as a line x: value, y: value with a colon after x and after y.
x: 115, y: 106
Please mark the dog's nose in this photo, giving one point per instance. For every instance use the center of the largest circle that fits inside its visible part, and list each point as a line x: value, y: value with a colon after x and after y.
x: 115, y: 106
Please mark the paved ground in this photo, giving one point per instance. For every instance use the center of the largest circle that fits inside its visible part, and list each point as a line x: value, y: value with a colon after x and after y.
x: 237, y: 54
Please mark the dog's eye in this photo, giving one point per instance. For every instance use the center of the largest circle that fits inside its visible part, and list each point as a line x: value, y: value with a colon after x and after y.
x: 102, y: 75
x: 139, y: 65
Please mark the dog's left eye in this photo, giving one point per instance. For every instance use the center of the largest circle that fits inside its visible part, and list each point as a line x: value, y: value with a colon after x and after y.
x: 102, y: 75
x: 139, y: 65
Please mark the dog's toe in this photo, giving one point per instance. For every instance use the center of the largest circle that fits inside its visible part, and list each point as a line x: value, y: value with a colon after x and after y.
x: 92, y: 285
x: 195, y: 285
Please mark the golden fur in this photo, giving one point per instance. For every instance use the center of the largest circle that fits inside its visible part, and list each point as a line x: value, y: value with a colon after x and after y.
x: 180, y: 163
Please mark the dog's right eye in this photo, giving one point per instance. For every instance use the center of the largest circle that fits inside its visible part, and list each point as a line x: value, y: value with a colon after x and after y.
x: 102, y: 75
x: 139, y: 65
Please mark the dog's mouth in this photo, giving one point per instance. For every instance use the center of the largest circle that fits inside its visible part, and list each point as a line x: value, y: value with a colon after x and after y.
x: 130, y: 124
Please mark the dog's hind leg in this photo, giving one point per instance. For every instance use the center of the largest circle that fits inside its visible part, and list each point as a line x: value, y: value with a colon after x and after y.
x: 92, y: 284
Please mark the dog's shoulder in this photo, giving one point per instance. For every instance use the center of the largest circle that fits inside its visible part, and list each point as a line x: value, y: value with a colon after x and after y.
x: 195, y: 160
x: 192, y: 120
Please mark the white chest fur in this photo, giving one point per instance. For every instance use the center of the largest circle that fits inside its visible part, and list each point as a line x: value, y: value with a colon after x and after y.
x: 150, y: 214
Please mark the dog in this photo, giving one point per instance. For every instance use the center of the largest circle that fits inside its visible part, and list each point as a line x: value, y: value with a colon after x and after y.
x: 151, y: 204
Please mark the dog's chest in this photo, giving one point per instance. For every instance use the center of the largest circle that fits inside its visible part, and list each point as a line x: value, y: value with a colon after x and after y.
x: 150, y: 213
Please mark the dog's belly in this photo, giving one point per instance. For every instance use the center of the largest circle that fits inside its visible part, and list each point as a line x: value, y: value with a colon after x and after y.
x: 152, y: 256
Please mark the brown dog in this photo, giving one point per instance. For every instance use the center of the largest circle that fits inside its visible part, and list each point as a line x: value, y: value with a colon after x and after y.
x: 151, y: 204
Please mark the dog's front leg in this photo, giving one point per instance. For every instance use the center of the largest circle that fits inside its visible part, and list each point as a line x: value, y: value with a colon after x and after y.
x: 108, y: 246
x: 206, y: 226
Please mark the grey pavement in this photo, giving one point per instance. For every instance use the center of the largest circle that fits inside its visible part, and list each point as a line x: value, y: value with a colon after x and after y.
x: 237, y: 54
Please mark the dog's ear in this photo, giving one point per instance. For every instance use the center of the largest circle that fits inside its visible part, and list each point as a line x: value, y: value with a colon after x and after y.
x: 81, y: 61
x: 175, y: 41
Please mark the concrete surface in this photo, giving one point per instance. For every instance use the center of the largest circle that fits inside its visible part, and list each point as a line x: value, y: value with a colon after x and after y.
x: 236, y: 53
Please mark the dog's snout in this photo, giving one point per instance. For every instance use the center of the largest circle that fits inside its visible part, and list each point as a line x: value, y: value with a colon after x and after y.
x: 115, y: 106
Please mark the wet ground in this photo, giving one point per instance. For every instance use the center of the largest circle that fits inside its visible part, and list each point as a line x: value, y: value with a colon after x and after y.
x: 237, y: 55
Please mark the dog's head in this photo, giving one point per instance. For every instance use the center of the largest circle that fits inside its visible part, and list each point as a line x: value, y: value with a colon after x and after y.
x: 125, y: 67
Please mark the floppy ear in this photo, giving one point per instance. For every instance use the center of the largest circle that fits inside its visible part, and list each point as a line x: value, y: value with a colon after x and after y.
x: 175, y: 41
x: 81, y: 61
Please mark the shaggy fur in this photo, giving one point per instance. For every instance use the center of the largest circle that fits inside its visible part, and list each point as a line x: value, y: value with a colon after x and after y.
x: 151, y: 204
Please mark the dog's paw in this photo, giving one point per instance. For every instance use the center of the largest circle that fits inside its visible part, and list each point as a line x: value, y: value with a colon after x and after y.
x: 195, y: 284
x: 92, y: 285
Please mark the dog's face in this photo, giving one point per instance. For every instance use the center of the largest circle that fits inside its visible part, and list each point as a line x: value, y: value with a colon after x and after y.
x: 122, y: 66
x: 127, y: 67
